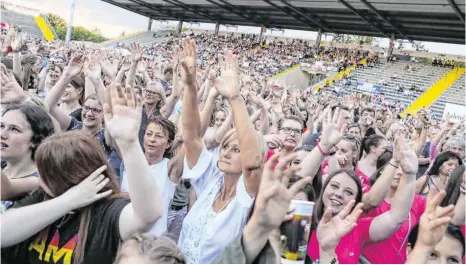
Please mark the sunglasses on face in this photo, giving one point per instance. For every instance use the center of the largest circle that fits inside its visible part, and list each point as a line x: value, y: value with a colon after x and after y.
x: 93, y: 110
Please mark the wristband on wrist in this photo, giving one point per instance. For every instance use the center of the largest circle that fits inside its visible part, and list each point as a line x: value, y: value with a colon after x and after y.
x: 390, y: 163
x: 18, y: 50
x: 321, y: 151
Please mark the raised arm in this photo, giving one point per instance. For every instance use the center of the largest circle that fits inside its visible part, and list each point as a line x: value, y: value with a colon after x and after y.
x: 167, y: 109
x: 74, y: 68
x: 136, y: 55
x: 12, y: 188
x: 264, y: 113
x: 386, y: 224
x: 19, y: 224
x: 432, y: 227
x: 207, y: 111
x: 15, y: 46
x: 190, y: 113
x: 459, y: 218
x: 248, y: 138
x: 332, y: 132
x: 122, y: 119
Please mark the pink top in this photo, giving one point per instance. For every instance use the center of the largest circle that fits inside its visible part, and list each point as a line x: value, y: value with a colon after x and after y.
x: 393, y: 249
x: 365, y: 182
x: 349, y: 248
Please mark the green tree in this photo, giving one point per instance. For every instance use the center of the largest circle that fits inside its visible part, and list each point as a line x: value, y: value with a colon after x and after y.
x: 56, y: 21
x: 77, y: 33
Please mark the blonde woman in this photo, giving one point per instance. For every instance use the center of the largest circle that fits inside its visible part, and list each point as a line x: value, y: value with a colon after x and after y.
x: 224, y: 187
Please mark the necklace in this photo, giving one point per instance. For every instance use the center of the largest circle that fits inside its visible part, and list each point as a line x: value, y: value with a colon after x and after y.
x: 227, y: 202
x: 64, y: 219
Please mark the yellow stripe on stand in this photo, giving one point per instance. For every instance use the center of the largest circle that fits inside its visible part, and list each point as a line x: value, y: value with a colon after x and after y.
x: 435, y: 91
x: 340, y: 74
x: 44, y: 28
x: 286, y: 71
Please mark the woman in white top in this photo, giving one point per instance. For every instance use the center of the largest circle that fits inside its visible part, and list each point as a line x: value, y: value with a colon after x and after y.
x: 159, y: 136
x: 225, y: 188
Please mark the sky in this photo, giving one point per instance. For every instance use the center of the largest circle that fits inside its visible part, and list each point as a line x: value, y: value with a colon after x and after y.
x: 112, y: 21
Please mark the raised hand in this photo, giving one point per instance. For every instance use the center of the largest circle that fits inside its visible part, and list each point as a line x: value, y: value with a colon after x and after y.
x: 88, y: 191
x: 136, y: 51
x: 92, y: 69
x: 16, y: 41
x: 332, y: 228
x: 434, y: 221
x: 11, y: 91
x: 229, y: 81
x: 75, y: 66
x: 409, y: 160
x: 333, y: 129
x: 189, y: 62
x: 273, y: 141
x: 142, y: 66
x: 273, y: 199
x: 122, y: 113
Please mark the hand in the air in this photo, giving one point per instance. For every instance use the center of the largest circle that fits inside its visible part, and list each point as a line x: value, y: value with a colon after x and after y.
x: 229, y: 81
x: 122, y: 113
x: 189, y: 63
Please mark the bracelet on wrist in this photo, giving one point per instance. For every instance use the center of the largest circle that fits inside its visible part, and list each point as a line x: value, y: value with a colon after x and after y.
x: 390, y: 163
x: 322, y: 151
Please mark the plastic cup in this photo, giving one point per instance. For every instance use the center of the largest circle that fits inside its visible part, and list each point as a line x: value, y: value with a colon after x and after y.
x: 294, y: 234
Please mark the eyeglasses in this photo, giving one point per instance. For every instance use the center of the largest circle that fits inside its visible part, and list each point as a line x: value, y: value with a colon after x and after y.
x: 93, y: 110
x: 150, y: 92
x: 288, y: 130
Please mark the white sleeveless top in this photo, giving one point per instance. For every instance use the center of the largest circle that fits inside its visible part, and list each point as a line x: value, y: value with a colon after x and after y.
x: 166, y: 188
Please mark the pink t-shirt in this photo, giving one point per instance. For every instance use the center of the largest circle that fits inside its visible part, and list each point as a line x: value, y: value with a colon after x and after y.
x: 393, y: 249
x: 350, y: 246
x: 365, y: 182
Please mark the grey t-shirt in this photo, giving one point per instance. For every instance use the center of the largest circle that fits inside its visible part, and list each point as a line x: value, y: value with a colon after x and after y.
x: 181, y: 196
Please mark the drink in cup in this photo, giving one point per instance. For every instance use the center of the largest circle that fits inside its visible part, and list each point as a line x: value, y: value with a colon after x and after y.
x: 294, y: 234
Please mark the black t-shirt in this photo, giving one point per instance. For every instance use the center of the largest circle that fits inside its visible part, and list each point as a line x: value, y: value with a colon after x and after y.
x: 54, y: 245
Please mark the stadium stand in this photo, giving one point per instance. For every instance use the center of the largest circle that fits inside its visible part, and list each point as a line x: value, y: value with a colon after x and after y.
x: 27, y: 23
x: 404, y: 86
x: 145, y: 38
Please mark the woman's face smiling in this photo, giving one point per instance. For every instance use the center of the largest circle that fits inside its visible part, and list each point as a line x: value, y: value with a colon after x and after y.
x: 339, y: 192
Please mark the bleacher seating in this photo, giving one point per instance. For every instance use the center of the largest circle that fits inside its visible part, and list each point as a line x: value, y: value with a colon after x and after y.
x: 423, y: 77
x: 27, y: 23
x: 144, y: 38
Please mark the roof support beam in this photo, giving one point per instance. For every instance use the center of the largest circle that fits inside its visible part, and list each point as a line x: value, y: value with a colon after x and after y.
x: 292, y: 7
x: 231, y: 8
x: 191, y: 9
x: 292, y: 15
x: 158, y: 9
x: 356, y: 12
x: 457, y: 10
x: 372, y: 8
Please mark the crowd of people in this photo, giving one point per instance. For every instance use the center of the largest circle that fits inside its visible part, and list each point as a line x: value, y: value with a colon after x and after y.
x: 174, y: 153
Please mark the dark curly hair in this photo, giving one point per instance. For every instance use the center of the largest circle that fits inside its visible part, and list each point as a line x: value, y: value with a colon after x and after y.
x: 39, y: 120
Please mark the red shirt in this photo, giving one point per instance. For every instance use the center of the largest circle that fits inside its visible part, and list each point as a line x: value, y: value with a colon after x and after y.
x: 271, y: 153
x: 349, y: 248
x: 393, y: 249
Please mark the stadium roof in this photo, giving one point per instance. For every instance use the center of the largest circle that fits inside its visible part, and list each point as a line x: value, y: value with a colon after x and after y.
x: 419, y: 20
